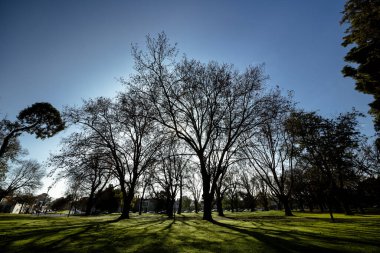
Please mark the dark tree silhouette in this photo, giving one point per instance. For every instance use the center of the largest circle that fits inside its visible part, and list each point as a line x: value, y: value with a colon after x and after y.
x: 26, y: 176
x: 328, y: 146
x: 207, y: 106
x: 170, y: 172
x: 79, y: 159
x: 126, y: 133
x: 271, y: 153
x: 363, y: 34
x: 41, y: 119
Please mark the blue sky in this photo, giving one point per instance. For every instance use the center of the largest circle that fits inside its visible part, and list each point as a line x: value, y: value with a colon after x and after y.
x: 65, y: 51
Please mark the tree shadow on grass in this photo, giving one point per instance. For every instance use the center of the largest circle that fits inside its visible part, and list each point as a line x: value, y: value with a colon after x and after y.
x: 45, y: 239
x: 148, y: 235
x: 277, y: 243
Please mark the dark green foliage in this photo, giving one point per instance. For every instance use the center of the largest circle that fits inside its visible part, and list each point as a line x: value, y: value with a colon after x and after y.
x: 60, y: 204
x: 108, y: 200
x: 41, y: 119
x: 327, y: 148
x: 363, y: 34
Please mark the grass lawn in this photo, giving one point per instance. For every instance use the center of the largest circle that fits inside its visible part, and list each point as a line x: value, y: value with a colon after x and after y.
x: 242, y: 232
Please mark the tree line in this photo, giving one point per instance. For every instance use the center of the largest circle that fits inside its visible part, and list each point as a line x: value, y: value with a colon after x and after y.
x: 178, y: 119
x: 220, y: 134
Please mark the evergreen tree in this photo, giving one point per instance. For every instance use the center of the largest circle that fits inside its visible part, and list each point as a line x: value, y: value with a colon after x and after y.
x: 363, y: 36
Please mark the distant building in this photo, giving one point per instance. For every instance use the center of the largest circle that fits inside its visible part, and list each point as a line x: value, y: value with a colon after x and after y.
x: 148, y: 205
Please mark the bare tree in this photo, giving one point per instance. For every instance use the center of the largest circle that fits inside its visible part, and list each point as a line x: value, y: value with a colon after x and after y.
x: 170, y: 173
x: 194, y: 185
x: 248, y: 182
x: 146, y: 182
x: 22, y: 176
x: 232, y: 189
x: 207, y: 106
x: 79, y: 160
x: 128, y: 135
x: 271, y: 152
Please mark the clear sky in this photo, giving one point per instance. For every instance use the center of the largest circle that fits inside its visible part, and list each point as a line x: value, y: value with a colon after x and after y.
x: 65, y: 51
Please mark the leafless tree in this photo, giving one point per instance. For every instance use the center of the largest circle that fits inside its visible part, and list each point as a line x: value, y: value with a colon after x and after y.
x: 126, y: 132
x: 248, y: 183
x: 232, y: 188
x: 80, y: 161
x: 194, y: 185
x: 22, y: 176
x: 271, y: 153
x: 207, y: 106
x: 170, y: 172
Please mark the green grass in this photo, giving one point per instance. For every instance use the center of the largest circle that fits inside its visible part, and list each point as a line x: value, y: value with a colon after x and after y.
x: 237, y: 232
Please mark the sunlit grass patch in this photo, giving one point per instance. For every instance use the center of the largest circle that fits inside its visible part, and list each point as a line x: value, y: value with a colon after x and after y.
x: 237, y: 232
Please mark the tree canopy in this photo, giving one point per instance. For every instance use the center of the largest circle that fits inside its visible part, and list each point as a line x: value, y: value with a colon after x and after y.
x: 41, y: 119
x: 363, y: 35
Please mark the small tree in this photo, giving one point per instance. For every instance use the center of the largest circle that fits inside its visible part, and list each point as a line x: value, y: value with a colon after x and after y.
x: 170, y: 172
x: 194, y: 185
x: 24, y: 176
x: 79, y: 159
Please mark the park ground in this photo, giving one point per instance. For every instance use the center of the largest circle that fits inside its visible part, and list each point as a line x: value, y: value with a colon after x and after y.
x: 237, y: 232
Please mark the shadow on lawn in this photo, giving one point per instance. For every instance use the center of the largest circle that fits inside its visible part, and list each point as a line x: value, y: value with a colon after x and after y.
x: 44, y: 240
x: 102, y: 236
x: 276, y: 242
x: 153, y: 234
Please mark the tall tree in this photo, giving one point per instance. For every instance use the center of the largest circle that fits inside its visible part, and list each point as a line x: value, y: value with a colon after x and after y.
x: 363, y: 36
x: 207, y: 106
x: 125, y: 131
x: 329, y: 146
x: 271, y: 153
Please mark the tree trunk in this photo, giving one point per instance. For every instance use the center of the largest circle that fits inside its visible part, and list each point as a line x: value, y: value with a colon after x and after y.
x: 180, y: 197
x: 22, y: 205
x: 207, y: 207
x: 219, y: 205
x: 126, y: 202
x: 90, y: 203
x: 170, y: 206
x: 285, y: 203
x: 196, y: 206
x: 330, y: 207
x: 141, y: 201
x: 71, y: 207
x: 207, y: 196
